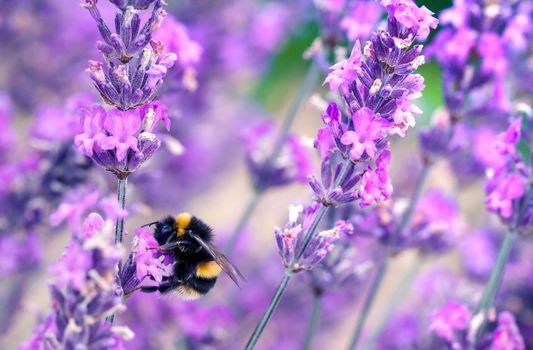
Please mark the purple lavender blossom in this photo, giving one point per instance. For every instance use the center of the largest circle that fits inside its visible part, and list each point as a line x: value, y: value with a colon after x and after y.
x: 361, y: 19
x: 346, y: 265
x: 435, y: 226
x: 194, y: 324
x: 436, y: 222
x: 509, y: 182
x: 479, y: 251
x: 368, y: 129
x: 150, y: 260
x: 378, y: 85
x: 376, y: 184
x: 19, y: 254
x: 290, y: 239
x: 449, y: 321
x: 270, y: 25
x: 175, y: 37
x: 507, y: 335
x: 145, y: 260
x: 72, y: 209
x: 454, y: 324
x: 83, y: 294
x: 403, y: 332
x: 350, y: 19
x: 345, y: 71
x: 417, y: 19
x: 135, y: 64
x: 292, y: 164
x: 474, y: 51
x: 49, y: 116
x: 121, y: 141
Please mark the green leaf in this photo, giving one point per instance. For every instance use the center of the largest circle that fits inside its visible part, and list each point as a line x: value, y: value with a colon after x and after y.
x: 523, y: 147
x: 525, y: 151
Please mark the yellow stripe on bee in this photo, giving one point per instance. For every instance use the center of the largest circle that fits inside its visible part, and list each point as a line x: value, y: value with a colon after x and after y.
x: 188, y: 293
x: 208, y: 269
x: 182, y: 222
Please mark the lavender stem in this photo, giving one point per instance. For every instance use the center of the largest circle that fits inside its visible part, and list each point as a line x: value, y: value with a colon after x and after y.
x: 283, y: 284
x: 313, y: 321
x: 306, y: 88
x: 119, y: 228
x: 269, y: 311
x: 376, y: 283
x: 495, y: 280
x: 405, y: 221
x: 121, y: 196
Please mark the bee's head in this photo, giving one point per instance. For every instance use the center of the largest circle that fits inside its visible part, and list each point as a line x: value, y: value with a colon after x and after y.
x: 184, y: 242
x: 165, y: 230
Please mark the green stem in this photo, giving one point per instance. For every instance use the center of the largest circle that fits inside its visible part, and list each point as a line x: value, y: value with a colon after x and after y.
x: 306, y: 88
x: 313, y: 321
x: 269, y: 311
x: 283, y: 284
x: 119, y: 227
x: 495, y: 280
x: 121, y: 196
x: 369, y: 301
x: 311, y: 231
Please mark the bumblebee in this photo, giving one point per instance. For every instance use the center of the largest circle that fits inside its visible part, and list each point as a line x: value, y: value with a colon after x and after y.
x: 198, y: 262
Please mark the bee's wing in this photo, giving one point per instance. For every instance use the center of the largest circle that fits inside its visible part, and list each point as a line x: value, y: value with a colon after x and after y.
x: 221, y: 260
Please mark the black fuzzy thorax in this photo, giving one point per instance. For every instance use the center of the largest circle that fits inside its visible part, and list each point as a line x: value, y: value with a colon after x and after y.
x: 197, y: 254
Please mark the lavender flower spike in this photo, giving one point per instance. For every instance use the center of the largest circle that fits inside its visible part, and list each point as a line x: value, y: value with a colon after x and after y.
x: 377, y: 83
x: 454, y: 326
x: 121, y: 141
x: 83, y: 294
x: 510, y: 180
x: 290, y: 240
x: 135, y: 64
x: 146, y: 260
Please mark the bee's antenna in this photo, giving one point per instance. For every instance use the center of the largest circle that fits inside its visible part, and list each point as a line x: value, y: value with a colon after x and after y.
x: 150, y: 224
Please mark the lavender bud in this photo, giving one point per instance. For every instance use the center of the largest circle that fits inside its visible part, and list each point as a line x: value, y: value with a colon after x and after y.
x: 316, y: 186
x: 335, y: 194
x: 104, y: 48
x: 386, y: 91
x: 118, y: 44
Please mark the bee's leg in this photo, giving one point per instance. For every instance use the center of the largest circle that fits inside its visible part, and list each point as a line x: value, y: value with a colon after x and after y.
x: 162, y: 288
x: 165, y: 286
x: 149, y: 289
x: 150, y: 223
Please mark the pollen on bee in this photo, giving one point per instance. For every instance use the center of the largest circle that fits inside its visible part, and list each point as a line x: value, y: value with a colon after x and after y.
x: 182, y: 222
x: 208, y: 269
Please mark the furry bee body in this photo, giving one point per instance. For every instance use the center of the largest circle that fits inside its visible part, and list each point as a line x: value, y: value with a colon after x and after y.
x: 198, y: 262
